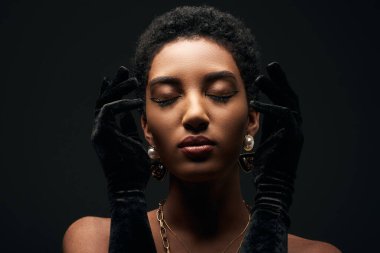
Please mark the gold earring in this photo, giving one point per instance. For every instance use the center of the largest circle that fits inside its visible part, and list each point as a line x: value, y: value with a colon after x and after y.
x: 158, y: 170
x: 246, y: 159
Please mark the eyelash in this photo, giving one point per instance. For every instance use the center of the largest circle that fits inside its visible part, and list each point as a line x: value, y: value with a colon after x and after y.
x: 219, y: 99
x: 166, y: 102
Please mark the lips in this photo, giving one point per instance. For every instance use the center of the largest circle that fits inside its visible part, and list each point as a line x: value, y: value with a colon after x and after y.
x: 197, y: 147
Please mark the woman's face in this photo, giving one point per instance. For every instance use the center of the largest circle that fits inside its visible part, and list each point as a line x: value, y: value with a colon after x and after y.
x: 194, y: 88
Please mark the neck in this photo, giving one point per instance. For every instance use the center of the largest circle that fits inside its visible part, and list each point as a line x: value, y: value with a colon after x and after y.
x: 209, y: 210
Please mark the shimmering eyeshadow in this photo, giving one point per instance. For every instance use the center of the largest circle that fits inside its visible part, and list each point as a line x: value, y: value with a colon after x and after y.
x: 164, y: 90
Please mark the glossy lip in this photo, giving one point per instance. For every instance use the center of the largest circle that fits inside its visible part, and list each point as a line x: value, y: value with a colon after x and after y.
x: 197, y: 147
x: 195, y: 140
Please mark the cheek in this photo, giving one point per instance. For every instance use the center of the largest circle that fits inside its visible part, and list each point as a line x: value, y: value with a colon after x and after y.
x: 232, y: 117
x: 162, y: 125
x: 231, y: 128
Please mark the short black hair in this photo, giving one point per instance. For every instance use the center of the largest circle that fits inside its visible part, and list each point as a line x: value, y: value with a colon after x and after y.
x: 199, y: 21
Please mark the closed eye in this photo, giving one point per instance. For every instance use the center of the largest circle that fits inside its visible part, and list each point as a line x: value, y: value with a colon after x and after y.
x: 164, y: 102
x: 222, y: 99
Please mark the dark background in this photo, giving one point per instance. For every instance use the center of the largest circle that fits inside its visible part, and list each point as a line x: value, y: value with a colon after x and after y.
x: 55, y: 53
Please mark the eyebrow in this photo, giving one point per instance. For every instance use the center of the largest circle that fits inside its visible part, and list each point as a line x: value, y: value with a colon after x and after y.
x: 224, y: 74
x: 164, y: 79
x: 219, y: 75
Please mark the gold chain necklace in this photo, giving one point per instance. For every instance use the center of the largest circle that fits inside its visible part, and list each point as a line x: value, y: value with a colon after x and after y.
x: 164, y: 236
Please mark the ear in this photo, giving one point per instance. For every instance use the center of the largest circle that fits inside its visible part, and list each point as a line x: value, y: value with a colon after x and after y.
x: 147, y: 133
x: 253, y: 122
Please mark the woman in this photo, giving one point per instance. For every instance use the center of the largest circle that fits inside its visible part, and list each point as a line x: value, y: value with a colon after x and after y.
x: 194, y: 75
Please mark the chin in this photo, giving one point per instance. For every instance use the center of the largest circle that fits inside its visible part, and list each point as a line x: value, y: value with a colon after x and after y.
x: 201, y: 172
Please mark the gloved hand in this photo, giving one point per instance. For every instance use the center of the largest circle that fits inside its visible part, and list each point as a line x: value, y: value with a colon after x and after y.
x: 125, y: 163
x: 275, y: 163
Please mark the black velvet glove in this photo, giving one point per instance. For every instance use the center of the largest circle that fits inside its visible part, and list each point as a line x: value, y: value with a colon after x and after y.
x: 125, y: 164
x: 275, y: 163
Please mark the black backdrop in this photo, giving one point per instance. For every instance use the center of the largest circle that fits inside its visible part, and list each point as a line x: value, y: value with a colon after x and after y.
x: 53, y: 57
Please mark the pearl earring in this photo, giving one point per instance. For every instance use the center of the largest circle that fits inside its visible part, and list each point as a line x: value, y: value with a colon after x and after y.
x: 249, y: 142
x: 158, y: 170
x: 152, y: 153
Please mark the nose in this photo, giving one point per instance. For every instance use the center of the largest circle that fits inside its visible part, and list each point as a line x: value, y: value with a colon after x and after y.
x: 195, y: 118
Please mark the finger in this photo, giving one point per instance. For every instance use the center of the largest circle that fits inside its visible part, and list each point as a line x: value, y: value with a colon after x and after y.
x: 106, y: 124
x: 120, y: 90
x: 270, y: 89
x: 107, y: 114
x: 116, y: 93
x: 130, y: 137
x: 122, y: 105
x: 127, y: 123
x: 276, y: 94
x: 126, y: 86
x: 118, y: 106
x: 121, y: 75
x: 106, y: 82
x: 278, y: 77
x: 269, y: 108
x: 276, y: 111
x: 276, y: 73
x: 112, y: 137
x: 272, y: 115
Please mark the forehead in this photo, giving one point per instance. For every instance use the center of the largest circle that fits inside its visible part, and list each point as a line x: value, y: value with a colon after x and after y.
x: 188, y: 57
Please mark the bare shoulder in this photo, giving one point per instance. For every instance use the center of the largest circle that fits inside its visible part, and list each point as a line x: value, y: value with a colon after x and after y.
x: 298, y: 244
x: 88, y: 234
